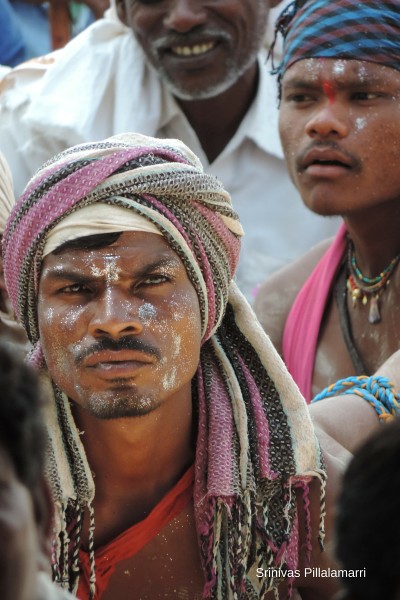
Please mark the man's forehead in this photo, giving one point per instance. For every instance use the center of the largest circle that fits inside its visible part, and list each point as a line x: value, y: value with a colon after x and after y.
x: 138, y: 248
x: 316, y: 70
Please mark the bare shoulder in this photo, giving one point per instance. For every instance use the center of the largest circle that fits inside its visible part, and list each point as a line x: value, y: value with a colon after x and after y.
x: 278, y: 292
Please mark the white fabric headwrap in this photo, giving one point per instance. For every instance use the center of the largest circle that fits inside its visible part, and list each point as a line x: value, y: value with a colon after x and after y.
x: 94, y: 219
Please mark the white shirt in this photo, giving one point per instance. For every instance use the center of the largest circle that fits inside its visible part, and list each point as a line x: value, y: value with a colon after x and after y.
x: 100, y: 84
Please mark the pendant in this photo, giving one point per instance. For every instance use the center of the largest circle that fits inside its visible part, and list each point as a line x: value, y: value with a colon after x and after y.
x: 374, y: 313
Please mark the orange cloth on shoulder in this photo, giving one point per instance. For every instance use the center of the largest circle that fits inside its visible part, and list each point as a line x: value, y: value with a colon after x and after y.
x: 135, y: 538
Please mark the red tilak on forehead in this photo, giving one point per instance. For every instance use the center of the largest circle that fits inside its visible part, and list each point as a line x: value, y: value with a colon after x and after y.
x: 329, y: 91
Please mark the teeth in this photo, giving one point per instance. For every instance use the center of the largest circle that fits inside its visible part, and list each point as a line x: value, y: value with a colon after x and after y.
x: 192, y: 50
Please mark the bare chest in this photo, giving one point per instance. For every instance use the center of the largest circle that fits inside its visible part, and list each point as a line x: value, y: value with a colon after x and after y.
x: 168, y: 566
x: 373, y: 343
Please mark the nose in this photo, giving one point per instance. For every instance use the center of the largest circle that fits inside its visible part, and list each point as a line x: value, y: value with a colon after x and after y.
x: 329, y: 120
x: 115, y: 315
x: 184, y: 15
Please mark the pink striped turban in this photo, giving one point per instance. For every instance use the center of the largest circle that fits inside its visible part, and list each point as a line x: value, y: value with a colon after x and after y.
x: 255, y: 443
x: 161, y: 180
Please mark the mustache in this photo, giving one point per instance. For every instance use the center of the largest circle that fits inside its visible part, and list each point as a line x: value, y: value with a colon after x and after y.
x: 192, y: 37
x: 354, y: 162
x: 124, y: 343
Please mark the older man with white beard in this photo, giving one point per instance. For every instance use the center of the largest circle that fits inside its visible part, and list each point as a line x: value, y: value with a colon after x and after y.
x: 182, y: 69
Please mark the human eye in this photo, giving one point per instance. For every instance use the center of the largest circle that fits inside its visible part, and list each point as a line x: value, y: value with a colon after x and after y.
x: 74, y: 288
x: 299, y: 97
x: 365, y: 95
x: 155, y: 279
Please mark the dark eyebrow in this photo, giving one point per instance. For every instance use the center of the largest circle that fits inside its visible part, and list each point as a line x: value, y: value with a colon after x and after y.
x: 58, y: 273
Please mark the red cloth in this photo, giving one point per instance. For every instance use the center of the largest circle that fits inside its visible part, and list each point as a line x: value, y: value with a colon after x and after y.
x: 133, y: 539
x: 300, y: 336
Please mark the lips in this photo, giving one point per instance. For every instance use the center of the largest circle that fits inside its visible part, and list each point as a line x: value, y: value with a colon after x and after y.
x: 191, y: 46
x: 192, y: 50
x: 121, y: 359
x: 325, y: 157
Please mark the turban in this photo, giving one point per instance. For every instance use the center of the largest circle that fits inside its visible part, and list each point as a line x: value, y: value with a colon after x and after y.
x: 6, y: 192
x: 367, y: 30
x: 255, y: 442
x: 129, y: 171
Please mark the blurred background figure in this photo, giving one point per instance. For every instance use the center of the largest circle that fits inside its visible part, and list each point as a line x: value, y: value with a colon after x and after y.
x: 30, y: 28
x: 25, y: 505
x: 11, y: 333
x: 12, y: 43
x: 368, y: 518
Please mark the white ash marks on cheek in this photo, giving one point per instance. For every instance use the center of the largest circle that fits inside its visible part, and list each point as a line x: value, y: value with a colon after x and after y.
x: 179, y: 310
x: 68, y: 320
x: 75, y: 349
x: 147, y: 312
x: 49, y: 314
x: 169, y: 379
x: 176, y: 346
x: 360, y: 123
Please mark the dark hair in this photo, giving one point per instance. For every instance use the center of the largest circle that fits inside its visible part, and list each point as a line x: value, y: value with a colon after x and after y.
x: 21, y: 428
x: 368, y: 517
x: 282, y: 27
x: 89, y: 242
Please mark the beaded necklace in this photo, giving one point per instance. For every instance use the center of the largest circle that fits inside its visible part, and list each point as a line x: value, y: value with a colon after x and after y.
x: 363, y: 288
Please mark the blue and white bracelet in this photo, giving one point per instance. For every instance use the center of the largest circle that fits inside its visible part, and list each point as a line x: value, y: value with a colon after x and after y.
x: 378, y: 391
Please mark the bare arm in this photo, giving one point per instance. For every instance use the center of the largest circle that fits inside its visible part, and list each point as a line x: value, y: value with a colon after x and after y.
x: 277, y: 294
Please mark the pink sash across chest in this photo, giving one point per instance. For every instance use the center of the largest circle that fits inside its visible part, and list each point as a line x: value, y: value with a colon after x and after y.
x: 300, y: 336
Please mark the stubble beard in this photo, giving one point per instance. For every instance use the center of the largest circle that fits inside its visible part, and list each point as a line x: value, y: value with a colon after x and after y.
x: 121, y: 404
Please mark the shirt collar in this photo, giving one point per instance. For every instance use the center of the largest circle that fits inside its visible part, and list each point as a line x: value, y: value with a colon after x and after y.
x: 260, y: 124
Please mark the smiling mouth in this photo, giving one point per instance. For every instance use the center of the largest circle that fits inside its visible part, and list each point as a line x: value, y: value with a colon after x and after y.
x: 196, y: 50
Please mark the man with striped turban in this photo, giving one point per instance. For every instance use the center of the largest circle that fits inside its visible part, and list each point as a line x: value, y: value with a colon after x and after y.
x: 332, y: 314
x: 182, y: 458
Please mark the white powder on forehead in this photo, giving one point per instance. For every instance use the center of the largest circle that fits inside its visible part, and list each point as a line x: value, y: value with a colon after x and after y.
x: 338, y: 67
x: 362, y: 72
x: 110, y: 271
x: 313, y: 68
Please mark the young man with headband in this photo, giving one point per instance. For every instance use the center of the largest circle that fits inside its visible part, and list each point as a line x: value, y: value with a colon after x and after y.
x: 333, y: 313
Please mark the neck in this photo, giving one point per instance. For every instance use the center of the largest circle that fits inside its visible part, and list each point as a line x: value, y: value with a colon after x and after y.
x: 376, y: 239
x: 215, y: 120
x: 141, y: 456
